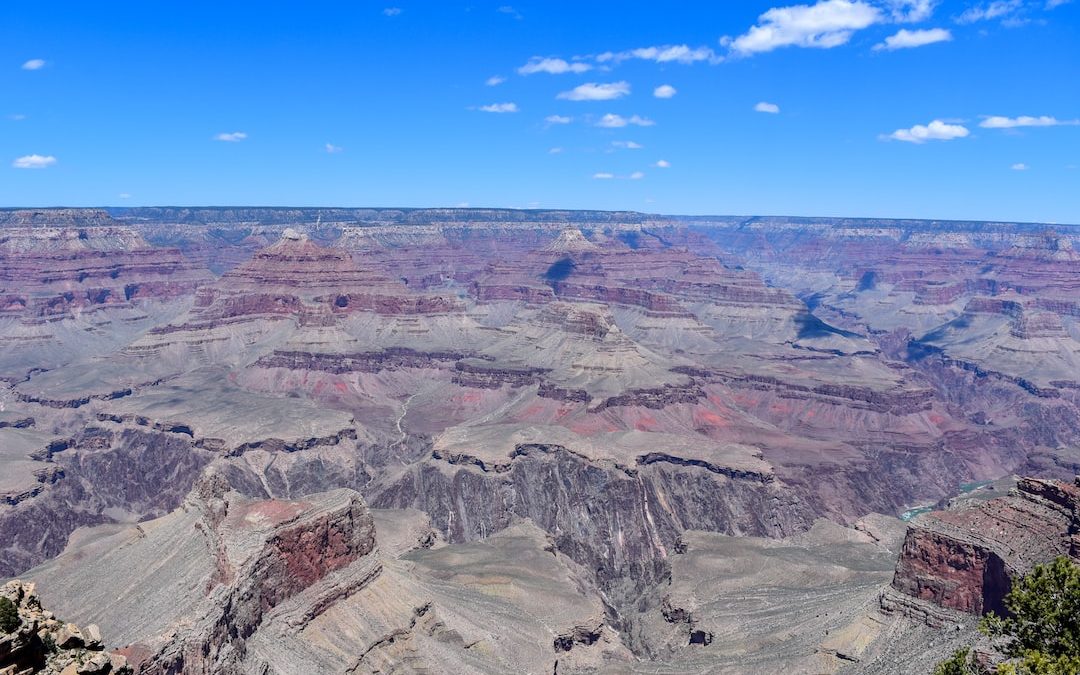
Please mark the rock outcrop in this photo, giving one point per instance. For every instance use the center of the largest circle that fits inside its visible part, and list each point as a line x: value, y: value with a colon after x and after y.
x: 966, y: 559
x: 43, y: 643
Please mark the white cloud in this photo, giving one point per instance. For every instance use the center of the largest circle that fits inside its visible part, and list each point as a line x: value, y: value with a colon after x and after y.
x: 124, y: 195
x: 1020, y: 166
x: 499, y: 108
x: 494, y: 80
x: 555, y: 151
x: 334, y: 149
x: 1051, y: 4
x: 34, y: 64
x: 993, y: 10
x: 998, y: 122
x: 765, y: 107
x: 462, y: 205
x: 603, y: 175
x: 34, y: 162
x: 663, y: 164
x: 593, y: 91
x: 905, y: 38
x: 663, y: 54
x: 558, y: 119
x: 911, y: 11
x: 637, y: 175
x: 233, y: 137
x: 627, y: 145
x: 665, y: 91
x: 17, y: 117
x: 507, y: 9
x: 827, y: 24
x: 551, y: 66
x: 613, y: 121
x: 392, y: 11
x: 935, y: 131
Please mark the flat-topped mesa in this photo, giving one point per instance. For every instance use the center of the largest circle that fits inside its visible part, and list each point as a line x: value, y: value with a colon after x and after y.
x: 296, y: 276
x: 571, y: 240
x: 46, y: 271
x: 52, y: 239
x: 659, y: 280
x: 1049, y: 247
x: 55, y: 218
x: 965, y: 560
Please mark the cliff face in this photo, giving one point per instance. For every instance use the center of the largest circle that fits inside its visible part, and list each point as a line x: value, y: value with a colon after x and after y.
x: 613, y: 381
x: 965, y: 560
x: 265, y: 553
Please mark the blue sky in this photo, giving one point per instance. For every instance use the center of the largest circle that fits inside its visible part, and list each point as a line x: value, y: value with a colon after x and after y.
x: 903, y: 108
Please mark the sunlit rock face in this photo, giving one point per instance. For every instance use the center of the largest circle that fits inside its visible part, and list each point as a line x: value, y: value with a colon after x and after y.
x: 593, y: 391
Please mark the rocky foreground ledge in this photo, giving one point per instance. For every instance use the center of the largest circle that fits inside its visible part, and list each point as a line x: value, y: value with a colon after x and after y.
x: 42, y: 643
x: 964, y: 561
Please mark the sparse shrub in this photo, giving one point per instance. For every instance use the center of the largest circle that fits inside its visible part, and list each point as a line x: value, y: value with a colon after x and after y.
x: 957, y: 664
x: 50, y: 644
x: 9, y: 616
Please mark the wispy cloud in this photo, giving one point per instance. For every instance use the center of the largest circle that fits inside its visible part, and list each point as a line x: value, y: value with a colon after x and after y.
x: 911, y: 11
x: 935, y: 131
x: 558, y: 119
x: 334, y: 149
x: 999, y: 9
x: 605, y: 175
x: 124, y: 195
x: 499, y: 108
x: 663, y: 54
x: 34, y: 162
x: 665, y: 91
x: 626, y: 145
x: 827, y: 24
x: 593, y: 91
x: 392, y: 11
x: 1019, y: 166
x: 17, y: 117
x: 662, y: 164
x: 508, y: 10
x: 231, y: 137
x: 906, y: 39
x: 552, y: 66
x: 494, y: 80
x: 765, y: 107
x: 613, y: 121
x: 34, y: 64
x: 555, y: 151
x: 998, y: 122
x: 1052, y: 4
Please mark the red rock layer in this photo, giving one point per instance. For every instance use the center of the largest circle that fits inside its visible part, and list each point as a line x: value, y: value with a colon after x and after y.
x: 965, y: 560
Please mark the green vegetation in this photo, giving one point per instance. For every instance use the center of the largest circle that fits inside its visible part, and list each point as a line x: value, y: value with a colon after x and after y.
x: 9, y: 616
x: 1041, y: 634
x: 1044, y: 609
x: 957, y: 664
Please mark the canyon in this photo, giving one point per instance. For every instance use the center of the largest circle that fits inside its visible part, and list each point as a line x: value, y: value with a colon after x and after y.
x: 469, y: 440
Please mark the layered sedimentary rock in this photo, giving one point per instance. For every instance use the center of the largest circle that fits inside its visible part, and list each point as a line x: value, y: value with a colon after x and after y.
x: 579, y: 390
x: 966, y: 559
x: 242, y: 585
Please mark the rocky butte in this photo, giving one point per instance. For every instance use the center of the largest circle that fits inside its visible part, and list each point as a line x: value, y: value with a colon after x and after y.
x: 467, y: 440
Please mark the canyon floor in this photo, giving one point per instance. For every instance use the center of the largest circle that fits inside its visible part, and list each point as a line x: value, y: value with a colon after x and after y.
x: 463, y: 440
